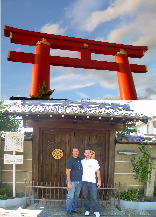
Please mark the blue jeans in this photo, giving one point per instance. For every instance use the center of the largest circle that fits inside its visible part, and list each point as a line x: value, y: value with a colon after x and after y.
x: 92, y: 188
x: 72, y: 196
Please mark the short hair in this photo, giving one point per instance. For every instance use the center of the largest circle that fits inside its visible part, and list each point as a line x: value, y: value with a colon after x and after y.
x: 75, y: 148
x: 87, y: 149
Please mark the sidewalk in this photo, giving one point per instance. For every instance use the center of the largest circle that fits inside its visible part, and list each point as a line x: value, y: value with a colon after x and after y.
x: 59, y: 211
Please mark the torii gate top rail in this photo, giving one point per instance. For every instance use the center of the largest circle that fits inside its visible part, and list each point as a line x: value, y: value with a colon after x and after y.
x: 42, y: 60
x: 25, y: 37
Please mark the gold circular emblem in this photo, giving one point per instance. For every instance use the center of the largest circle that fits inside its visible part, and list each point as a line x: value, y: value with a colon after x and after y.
x: 57, y: 153
x: 92, y: 154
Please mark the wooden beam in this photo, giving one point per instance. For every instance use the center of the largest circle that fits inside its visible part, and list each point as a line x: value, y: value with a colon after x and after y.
x: 73, y: 62
x: 111, y: 157
x: 20, y: 36
x: 81, y: 125
x: 21, y: 57
x: 107, y: 158
x: 80, y: 63
x: 93, y: 64
x: 35, y: 155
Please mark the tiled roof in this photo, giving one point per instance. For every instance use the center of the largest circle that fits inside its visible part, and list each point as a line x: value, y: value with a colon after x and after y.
x: 72, y: 107
x: 135, y: 138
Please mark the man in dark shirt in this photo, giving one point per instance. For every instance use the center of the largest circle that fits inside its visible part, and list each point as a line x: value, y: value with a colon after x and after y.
x: 74, y: 181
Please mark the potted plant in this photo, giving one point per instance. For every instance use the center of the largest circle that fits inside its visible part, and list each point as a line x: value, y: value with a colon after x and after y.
x: 5, y: 192
x: 130, y: 198
x: 6, y: 198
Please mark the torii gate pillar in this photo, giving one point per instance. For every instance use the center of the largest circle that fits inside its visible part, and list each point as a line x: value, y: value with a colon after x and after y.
x: 41, y: 67
x: 125, y: 79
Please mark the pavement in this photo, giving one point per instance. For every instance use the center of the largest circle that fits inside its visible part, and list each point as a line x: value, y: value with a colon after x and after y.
x: 59, y: 210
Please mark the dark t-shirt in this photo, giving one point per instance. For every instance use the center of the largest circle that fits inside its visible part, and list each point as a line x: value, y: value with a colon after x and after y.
x: 76, y: 168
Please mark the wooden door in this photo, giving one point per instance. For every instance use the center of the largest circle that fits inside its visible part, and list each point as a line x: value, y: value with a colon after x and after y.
x: 53, y: 169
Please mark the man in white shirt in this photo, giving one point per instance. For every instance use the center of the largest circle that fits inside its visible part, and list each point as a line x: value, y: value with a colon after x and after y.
x: 90, y: 166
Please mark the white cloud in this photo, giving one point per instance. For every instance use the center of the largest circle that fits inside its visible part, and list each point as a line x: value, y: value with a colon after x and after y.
x: 80, y: 10
x: 147, y: 40
x: 109, y: 97
x: 53, y: 29
x: 69, y: 82
x: 117, y: 35
x: 111, y: 82
x: 145, y: 85
x: 135, y: 25
x: 100, y: 39
x: 143, y: 81
x: 69, y: 78
x: 117, y: 9
x: 140, y: 32
x: 83, y: 77
x: 149, y: 94
x: 101, y: 57
x: 137, y: 21
x: 64, y: 53
x: 18, y: 49
x: 82, y: 95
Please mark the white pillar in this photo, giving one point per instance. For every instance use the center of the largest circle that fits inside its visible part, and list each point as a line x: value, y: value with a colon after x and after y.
x: 14, y: 177
x: 149, y: 184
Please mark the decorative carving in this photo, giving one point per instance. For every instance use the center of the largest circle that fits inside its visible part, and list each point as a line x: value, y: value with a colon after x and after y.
x: 57, y: 153
x: 121, y: 52
x: 43, y: 41
x: 99, y: 144
x: 49, y: 143
x: 85, y: 45
x: 11, y: 35
x: 92, y: 154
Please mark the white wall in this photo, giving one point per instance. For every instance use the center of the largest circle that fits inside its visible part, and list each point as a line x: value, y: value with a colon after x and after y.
x: 143, y: 128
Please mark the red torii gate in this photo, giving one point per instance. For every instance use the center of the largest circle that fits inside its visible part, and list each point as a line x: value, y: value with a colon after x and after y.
x: 42, y: 60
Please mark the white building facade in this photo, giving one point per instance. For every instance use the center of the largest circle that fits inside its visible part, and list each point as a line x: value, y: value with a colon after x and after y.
x: 148, y: 129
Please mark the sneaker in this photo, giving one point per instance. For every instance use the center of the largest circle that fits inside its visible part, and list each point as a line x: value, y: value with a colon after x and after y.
x: 77, y: 211
x: 97, y: 214
x: 87, y: 213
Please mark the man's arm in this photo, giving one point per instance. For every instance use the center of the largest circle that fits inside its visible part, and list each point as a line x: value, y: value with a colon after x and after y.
x: 68, y: 178
x: 99, y: 178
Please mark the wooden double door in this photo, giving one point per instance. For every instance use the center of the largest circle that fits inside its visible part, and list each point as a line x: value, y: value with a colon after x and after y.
x: 55, y: 148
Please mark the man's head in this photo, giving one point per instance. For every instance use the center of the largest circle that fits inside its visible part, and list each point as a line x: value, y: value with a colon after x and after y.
x: 75, y: 152
x: 87, y: 153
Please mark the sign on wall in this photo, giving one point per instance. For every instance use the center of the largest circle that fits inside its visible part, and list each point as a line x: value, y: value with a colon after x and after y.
x: 14, y: 142
x: 13, y: 159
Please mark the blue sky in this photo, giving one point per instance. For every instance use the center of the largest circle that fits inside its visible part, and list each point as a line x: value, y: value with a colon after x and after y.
x: 124, y: 22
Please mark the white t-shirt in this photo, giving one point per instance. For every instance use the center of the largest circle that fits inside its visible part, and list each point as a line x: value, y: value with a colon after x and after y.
x: 89, y: 168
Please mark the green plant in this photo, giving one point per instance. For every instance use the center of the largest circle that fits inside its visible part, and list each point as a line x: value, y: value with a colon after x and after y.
x: 143, y: 166
x: 42, y: 93
x: 8, y: 122
x: 128, y: 128
x: 129, y: 194
x: 3, y: 197
x: 5, y: 192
